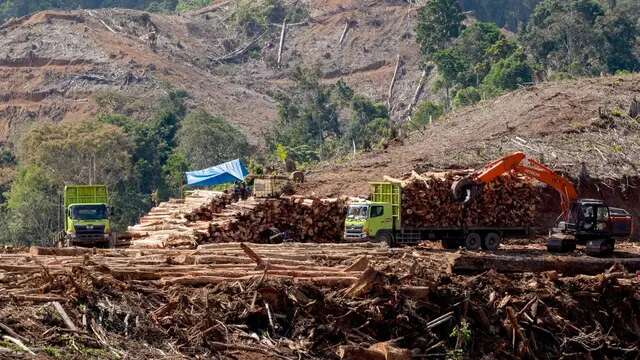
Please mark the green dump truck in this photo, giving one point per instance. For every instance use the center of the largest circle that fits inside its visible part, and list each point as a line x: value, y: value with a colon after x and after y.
x: 86, y: 216
x: 379, y: 219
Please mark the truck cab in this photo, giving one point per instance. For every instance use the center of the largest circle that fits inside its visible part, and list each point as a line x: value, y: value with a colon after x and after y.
x: 368, y: 220
x: 87, y: 215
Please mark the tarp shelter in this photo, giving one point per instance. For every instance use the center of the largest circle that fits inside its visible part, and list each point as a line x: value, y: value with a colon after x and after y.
x: 220, y: 174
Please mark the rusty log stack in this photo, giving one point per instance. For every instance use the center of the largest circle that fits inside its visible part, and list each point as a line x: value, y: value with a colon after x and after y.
x: 509, y: 201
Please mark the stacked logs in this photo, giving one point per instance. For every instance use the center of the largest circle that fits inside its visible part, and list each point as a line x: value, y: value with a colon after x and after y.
x: 209, y: 217
x: 178, y: 222
x: 284, y: 219
x: 509, y: 201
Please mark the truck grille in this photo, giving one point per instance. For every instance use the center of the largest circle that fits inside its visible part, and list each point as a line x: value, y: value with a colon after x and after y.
x: 90, y: 232
x: 353, y: 231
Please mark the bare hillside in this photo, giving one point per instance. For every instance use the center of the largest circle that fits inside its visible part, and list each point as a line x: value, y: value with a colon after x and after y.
x: 52, y: 63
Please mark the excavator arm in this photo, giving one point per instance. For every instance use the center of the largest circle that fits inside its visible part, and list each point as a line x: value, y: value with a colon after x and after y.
x: 469, y: 187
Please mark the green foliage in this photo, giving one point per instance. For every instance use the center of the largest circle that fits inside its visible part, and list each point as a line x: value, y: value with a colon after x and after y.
x: 153, y: 148
x: 481, y: 55
x: 33, y: 208
x: 306, y: 113
x: 621, y: 32
x: 281, y: 152
x: 369, y: 124
x: 427, y: 111
x: 581, y: 37
x: 508, y: 73
x: 78, y: 153
x: 309, y: 129
x: 254, y: 16
x: 439, y: 21
x: 466, y: 96
x: 189, y: 5
x: 342, y: 93
x: 505, y: 13
x: 173, y: 171
x: 451, y: 66
x: 207, y: 140
x: 301, y: 154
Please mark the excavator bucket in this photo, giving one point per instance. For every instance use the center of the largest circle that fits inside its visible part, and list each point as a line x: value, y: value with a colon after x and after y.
x: 561, y: 243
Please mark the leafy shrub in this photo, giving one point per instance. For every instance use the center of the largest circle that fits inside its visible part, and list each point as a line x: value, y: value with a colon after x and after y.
x: 466, y: 96
x: 427, y: 111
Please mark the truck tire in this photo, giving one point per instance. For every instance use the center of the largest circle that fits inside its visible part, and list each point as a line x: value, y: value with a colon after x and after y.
x: 491, y: 241
x: 473, y: 241
x: 449, y: 244
x: 384, y: 237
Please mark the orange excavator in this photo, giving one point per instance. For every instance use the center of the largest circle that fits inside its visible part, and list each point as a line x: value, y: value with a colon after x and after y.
x: 587, y: 221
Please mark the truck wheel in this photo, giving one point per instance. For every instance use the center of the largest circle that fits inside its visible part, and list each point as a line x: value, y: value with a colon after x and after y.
x: 491, y: 241
x: 473, y: 241
x: 384, y: 237
x: 449, y: 244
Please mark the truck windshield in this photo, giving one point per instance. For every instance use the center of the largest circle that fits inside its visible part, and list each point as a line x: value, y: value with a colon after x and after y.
x: 358, y: 212
x: 88, y: 212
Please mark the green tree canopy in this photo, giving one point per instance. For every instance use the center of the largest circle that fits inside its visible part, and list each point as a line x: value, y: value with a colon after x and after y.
x: 78, y: 153
x: 439, y: 21
x: 369, y: 123
x: 508, y: 73
x: 207, y: 140
x: 33, y: 208
x: 581, y: 37
x: 426, y: 112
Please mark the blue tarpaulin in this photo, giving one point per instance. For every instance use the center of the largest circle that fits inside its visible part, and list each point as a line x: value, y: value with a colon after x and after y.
x: 220, y: 174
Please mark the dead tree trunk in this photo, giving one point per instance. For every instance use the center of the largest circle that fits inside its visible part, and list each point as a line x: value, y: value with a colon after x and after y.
x: 393, y: 82
x: 282, y: 35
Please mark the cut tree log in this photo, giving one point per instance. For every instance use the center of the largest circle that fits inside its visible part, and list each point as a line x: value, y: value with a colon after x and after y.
x: 567, y: 265
x: 347, y: 25
x: 37, y: 250
x: 509, y: 201
x: 282, y: 36
x: 634, y: 110
x: 377, y: 351
x: 63, y: 314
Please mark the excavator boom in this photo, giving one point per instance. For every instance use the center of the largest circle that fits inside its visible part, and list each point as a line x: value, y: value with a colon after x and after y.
x: 467, y: 188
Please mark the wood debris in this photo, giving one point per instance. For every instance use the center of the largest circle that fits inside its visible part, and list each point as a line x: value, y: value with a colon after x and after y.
x: 306, y: 300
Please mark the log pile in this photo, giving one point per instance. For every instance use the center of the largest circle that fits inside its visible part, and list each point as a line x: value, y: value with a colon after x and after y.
x: 509, y: 201
x: 287, y: 218
x: 207, y: 217
x: 178, y: 222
